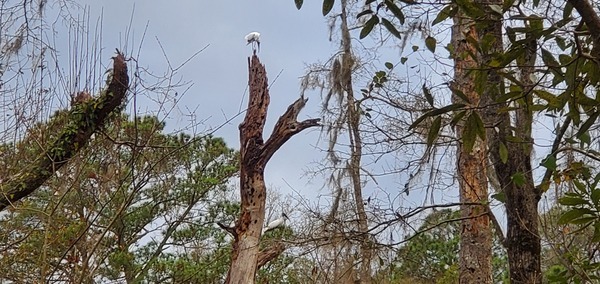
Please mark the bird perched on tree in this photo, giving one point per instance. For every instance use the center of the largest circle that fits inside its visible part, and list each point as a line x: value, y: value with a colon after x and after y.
x: 275, y: 223
x: 253, y: 38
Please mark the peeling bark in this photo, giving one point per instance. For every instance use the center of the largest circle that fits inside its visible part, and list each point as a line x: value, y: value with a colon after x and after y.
x: 475, y: 237
x: 85, y: 118
x: 254, y: 155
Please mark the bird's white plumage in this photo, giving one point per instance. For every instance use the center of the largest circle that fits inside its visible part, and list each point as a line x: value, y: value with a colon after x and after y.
x: 275, y: 223
x: 252, y: 37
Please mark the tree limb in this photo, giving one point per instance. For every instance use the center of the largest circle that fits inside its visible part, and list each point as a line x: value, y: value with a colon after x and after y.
x: 81, y: 122
x: 269, y: 253
x: 592, y: 21
x: 286, y: 127
x: 545, y: 183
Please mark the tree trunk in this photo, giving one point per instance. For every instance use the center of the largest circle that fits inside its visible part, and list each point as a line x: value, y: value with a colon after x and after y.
x: 514, y: 175
x: 254, y: 155
x: 353, y: 122
x: 476, y: 237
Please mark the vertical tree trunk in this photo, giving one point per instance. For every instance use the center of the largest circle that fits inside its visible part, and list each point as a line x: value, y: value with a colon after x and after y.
x: 476, y: 238
x: 254, y: 154
x: 514, y: 175
x: 355, y: 147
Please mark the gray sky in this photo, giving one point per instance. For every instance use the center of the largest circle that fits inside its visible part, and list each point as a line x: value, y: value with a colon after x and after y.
x: 290, y: 38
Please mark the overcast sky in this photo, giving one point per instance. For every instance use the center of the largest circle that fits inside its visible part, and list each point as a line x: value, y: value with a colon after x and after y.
x: 290, y: 39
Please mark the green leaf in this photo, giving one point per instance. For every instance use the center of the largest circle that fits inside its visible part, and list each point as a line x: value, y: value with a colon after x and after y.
x: 564, y: 58
x: 596, y: 196
x: 388, y: 65
x: 391, y: 28
x: 553, y: 101
x: 561, y: 43
x: 430, y: 43
x: 571, y: 215
x: 298, y: 3
x: 578, y: 184
x: 587, y: 124
x: 469, y: 134
x: 444, y: 14
x: 536, y: 23
x: 461, y: 95
x: 511, y: 34
x: 434, y: 112
x: 500, y: 196
x: 365, y: 12
x: 596, y: 237
x: 415, y: 47
x: 549, y: 162
x: 457, y: 117
x: 583, y: 220
x: 327, y: 6
x: 395, y: 10
x: 428, y: 95
x: 478, y: 123
x: 585, y: 139
x: 487, y: 42
x: 403, y: 60
x: 434, y: 131
x: 568, y: 10
x: 497, y: 9
x: 572, y: 200
x: 503, y: 151
x: 518, y: 179
x: 368, y: 27
x: 470, y: 9
x: 507, y: 4
x: 549, y: 59
x: 445, y: 109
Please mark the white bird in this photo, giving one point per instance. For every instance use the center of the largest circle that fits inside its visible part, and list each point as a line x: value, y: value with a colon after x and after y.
x: 252, y: 38
x: 275, y: 223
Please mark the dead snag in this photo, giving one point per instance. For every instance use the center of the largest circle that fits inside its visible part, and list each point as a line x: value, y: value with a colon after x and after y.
x: 254, y: 155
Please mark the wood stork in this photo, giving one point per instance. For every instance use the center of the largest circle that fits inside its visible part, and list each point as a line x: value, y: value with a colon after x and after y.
x: 275, y: 223
x: 253, y: 38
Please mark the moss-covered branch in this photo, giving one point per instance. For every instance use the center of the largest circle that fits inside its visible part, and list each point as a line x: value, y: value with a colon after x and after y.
x: 81, y: 122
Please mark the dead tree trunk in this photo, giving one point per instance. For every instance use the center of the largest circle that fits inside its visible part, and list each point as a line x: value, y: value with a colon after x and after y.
x: 254, y: 155
x: 475, y: 236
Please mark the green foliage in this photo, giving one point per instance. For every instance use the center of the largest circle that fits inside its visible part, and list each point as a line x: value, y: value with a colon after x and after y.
x: 472, y: 129
x: 431, y: 255
x: 368, y: 27
x: 447, y: 12
x: 123, y: 199
x: 430, y: 43
x: 390, y: 27
x: 570, y: 257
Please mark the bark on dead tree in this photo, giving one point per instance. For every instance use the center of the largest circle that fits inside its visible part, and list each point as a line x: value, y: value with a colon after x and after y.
x: 475, y: 237
x: 254, y: 155
x: 84, y: 118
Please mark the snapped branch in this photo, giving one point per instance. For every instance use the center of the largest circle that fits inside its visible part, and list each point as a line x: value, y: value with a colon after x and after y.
x: 286, y: 127
x: 82, y: 121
